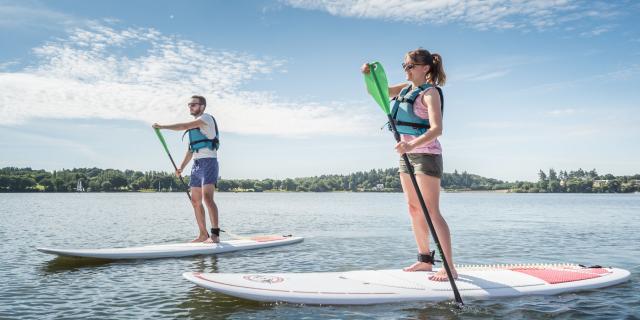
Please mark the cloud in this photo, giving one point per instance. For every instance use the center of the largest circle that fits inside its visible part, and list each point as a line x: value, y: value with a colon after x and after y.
x: 596, y: 31
x: 494, y: 67
x: 32, y: 15
x: 562, y: 112
x: 35, y: 138
x: 7, y: 64
x: 483, y: 76
x: 622, y: 74
x: 141, y: 74
x: 483, y: 15
x: 501, y: 125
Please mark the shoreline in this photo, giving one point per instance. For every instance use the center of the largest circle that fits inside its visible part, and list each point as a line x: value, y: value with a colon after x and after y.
x: 443, y: 190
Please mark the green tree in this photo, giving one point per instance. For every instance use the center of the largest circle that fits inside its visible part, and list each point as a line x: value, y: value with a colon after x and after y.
x: 106, y: 186
x: 118, y: 181
x: 543, y: 182
x: 290, y: 185
x: 59, y: 186
x: 224, y: 185
x: 47, y: 184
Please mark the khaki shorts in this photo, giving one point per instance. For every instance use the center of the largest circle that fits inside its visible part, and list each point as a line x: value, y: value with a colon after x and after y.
x: 424, y: 163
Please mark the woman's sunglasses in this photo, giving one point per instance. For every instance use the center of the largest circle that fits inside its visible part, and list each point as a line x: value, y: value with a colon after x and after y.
x: 409, y: 66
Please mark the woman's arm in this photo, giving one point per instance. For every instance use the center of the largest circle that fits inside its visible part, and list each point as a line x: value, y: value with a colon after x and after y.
x: 395, y: 89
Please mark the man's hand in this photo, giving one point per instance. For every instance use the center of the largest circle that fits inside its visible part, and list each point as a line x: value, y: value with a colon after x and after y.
x: 157, y: 126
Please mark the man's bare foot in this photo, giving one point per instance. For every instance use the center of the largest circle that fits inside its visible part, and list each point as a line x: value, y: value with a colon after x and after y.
x: 201, y: 238
x: 441, y: 275
x: 213, y: 239
x: 419, y: 266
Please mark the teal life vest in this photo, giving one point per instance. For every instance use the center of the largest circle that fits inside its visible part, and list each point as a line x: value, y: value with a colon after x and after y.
x: 403, y: 115
x: 198, y: 140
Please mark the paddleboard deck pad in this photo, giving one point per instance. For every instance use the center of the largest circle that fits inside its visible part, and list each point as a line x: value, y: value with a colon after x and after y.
x: 388, y: 286
x: 177, y: 249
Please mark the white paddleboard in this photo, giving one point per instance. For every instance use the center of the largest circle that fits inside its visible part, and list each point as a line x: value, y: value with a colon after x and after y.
x: 386, y: 286
x: 177, y: 249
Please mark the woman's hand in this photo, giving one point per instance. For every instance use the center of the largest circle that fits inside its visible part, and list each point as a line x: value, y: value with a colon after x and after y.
x: 365, y: 68
x: 178, y: 172
x: 403, y: 147
x: 156, y: 126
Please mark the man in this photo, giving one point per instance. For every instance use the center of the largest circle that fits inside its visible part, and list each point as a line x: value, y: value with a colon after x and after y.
x: 203, y: 146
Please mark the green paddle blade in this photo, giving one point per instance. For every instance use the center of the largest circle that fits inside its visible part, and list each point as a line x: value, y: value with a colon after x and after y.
x: 377, y: 86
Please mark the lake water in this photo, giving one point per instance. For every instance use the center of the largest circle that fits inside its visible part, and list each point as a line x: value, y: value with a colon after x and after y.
x: 343, y: 231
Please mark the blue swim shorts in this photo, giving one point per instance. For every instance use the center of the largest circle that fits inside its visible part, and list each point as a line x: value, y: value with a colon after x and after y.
x: 204, y: 171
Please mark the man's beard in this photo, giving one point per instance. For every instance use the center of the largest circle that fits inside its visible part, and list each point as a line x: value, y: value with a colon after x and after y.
x: 196, y: 113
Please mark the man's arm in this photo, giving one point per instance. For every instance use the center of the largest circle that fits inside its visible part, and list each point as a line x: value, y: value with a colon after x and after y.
x: 181, y: 126
x: 187, y: 158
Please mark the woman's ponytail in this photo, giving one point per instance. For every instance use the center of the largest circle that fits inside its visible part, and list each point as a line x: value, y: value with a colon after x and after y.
x: 436, y: 75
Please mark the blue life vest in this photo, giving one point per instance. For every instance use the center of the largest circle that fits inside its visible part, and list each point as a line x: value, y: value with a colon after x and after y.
x: 403, y: 115
x: 198, y: 140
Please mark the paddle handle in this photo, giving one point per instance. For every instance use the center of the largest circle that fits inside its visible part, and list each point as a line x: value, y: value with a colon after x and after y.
x: 166, y: 149
x: 432, y: 229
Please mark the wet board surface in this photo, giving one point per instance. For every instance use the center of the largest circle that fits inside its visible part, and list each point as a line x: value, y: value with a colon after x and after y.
x: 387, y: 286
x: 177, y: 249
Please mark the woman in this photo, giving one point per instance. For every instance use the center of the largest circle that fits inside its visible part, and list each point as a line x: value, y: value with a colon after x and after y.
x: 420, y: 125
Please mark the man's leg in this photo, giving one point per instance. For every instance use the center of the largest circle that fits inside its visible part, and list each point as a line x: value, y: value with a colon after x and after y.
x: 207, y: 195
x: 196, y: 202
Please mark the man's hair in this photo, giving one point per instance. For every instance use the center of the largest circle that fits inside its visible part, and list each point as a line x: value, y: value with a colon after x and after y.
x: 201, y: 100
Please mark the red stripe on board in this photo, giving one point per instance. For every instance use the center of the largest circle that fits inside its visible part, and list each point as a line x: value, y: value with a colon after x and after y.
x: 554, y: 276
x: 267, y: 238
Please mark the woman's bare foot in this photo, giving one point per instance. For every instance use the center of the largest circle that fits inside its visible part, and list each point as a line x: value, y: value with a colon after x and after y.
x: 419, y: 266
x: 213, y: 239
x: 441, y: 275
x: 200, y: 238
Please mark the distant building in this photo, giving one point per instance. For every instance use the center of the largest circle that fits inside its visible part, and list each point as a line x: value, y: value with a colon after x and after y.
x: 600, y: 183
x: 79, y: 187
x: 379, y: 187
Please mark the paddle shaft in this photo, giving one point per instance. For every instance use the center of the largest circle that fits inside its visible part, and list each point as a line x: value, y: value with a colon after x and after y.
x: 164, y: 144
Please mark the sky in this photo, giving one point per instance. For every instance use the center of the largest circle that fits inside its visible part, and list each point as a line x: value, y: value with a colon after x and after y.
x: 531, y: 85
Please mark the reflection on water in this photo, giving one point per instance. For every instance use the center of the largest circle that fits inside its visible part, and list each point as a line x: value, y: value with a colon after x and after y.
x: 61, y: 264
x: 343, y: 231
x: 203, y: 304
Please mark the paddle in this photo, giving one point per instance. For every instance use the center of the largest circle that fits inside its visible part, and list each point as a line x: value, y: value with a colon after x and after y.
x: 378, y: 87
x: 164, y: 144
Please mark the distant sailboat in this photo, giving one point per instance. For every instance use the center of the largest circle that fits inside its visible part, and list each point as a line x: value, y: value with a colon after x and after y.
x: 79, y: 187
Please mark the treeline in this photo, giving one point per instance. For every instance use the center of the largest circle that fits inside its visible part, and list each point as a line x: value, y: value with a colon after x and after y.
x: 579, y: 181
x: 377, y: 180
x: 111, y: 180
x: 90, y: 179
